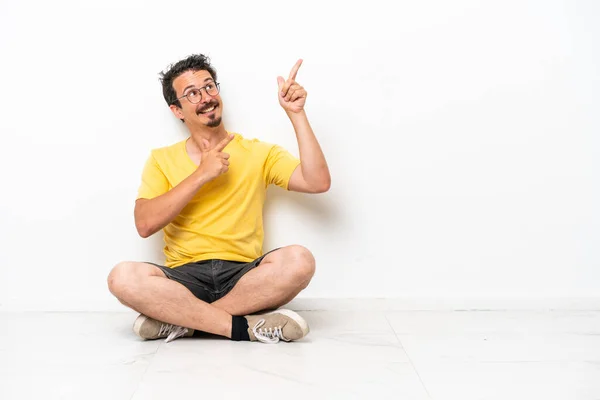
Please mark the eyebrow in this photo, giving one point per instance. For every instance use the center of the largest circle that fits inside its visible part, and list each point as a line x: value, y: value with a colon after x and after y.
x: 193, y: 86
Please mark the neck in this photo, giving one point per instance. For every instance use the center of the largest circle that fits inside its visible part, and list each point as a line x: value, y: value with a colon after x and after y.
x: 213, y: 135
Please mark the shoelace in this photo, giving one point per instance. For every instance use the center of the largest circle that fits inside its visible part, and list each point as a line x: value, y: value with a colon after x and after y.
x: 270, y: 335
x: 173, y: 331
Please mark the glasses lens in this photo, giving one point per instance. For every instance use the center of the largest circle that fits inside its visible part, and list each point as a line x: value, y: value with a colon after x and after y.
x: 212, y: 89
x: 194, y: 96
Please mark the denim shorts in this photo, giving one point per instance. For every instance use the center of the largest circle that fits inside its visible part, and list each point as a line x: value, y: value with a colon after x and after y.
x: 209, y: 280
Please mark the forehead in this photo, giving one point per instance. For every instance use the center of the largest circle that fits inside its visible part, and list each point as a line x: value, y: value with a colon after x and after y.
x: 191, y: 78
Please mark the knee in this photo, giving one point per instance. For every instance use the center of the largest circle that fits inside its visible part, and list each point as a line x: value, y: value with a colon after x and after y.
x: 120, y: 278
x: 302, y: 264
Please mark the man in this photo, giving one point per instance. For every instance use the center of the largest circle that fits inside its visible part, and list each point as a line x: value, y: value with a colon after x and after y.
x: 207, y: 194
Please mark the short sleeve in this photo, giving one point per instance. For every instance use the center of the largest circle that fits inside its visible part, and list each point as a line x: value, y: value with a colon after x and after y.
x: 154, y: 182
x: 279, y: 166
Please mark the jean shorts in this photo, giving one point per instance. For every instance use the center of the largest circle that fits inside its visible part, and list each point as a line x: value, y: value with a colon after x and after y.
x: 209, y: 280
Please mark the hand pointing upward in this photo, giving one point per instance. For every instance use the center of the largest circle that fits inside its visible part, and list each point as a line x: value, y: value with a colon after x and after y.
x: 292, y: 96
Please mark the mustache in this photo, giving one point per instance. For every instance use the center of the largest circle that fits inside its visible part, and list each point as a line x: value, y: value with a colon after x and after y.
x: 207, y: 106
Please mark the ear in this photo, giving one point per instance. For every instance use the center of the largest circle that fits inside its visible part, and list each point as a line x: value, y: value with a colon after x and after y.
x: 176, y: 111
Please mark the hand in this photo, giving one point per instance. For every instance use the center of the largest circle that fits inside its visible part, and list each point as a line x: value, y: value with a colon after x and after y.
x: 292, y: 96
x: 213, y: 162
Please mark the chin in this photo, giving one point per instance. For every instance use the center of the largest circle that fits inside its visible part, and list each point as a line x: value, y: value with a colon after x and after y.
x: 214, y: 122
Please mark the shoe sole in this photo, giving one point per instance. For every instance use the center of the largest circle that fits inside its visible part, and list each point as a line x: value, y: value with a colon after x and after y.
x: 296, y: 317
x: 137, y: 325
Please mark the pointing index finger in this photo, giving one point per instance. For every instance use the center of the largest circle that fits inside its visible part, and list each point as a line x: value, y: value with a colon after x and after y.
x: 224, y: 142
x: 295, y: 69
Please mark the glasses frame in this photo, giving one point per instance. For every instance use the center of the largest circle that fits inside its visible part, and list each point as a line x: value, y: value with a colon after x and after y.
x: 217, y: 84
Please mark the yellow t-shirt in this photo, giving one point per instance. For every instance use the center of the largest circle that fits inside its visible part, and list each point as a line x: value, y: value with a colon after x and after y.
x: 224, y: 220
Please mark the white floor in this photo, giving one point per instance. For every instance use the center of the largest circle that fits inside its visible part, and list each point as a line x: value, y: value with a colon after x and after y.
x: 348, y: 355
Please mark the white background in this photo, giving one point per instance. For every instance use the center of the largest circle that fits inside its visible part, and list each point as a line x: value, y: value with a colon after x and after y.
x: 462, y: 139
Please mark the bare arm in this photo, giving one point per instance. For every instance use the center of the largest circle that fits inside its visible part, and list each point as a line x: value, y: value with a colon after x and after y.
x: 151, y: 215
x: 313, y: 175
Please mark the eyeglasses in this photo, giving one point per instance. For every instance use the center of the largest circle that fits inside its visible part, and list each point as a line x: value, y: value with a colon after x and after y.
x: 195, y: 95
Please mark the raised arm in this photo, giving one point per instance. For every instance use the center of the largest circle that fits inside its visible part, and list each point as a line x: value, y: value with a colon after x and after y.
x: 312, y: 176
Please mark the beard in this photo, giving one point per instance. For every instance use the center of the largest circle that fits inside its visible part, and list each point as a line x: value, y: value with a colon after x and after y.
x: 213, y: 123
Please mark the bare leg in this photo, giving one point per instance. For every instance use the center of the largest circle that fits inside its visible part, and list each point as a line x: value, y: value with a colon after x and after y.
x: 145, y: 288
x: 279, y: 278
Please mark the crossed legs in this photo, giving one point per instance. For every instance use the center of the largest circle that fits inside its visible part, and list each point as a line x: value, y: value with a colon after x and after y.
x: 280, y: 276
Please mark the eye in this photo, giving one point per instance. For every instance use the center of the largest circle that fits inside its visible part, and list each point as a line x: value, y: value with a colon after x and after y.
x: 193, y: 93
x: 210, y: 86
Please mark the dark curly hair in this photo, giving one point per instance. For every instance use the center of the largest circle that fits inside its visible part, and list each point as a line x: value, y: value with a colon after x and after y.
x: 195, y: 62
